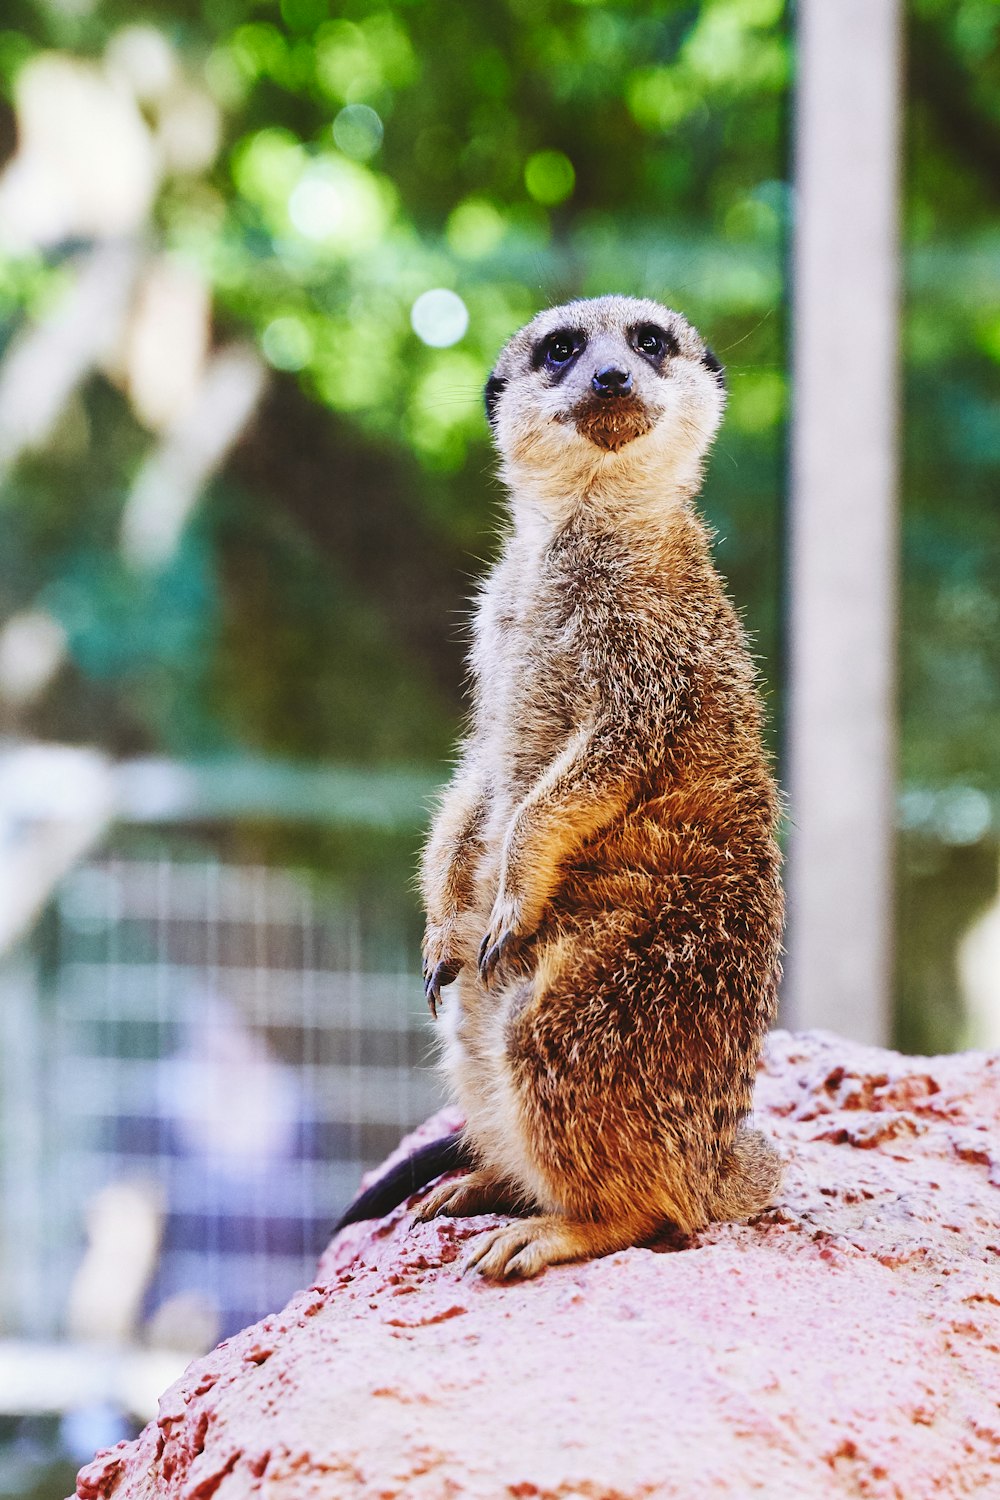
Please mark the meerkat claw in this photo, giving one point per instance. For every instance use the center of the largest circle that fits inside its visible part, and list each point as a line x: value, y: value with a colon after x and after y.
x: 443, y: 973
x: 488, y: 956
x: 491, y: 954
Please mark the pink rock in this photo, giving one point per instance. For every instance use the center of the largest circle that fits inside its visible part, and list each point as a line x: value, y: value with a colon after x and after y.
x: 846, y: 1344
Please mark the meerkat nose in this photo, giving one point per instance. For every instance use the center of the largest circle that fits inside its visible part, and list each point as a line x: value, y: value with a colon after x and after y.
x: 611, y: 380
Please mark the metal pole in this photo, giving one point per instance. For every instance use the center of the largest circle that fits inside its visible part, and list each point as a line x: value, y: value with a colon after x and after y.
x: 842, y: 543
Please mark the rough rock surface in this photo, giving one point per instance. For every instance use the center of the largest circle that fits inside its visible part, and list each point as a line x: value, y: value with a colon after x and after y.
x: 846, y: 1344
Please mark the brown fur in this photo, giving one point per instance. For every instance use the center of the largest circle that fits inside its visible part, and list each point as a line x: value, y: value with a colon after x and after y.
x: 602, y: 878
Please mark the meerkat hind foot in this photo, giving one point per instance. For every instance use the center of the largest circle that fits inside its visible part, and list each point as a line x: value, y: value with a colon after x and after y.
x: 474, y: 1193
x: 519, y: 1251
x: 750, y: 1179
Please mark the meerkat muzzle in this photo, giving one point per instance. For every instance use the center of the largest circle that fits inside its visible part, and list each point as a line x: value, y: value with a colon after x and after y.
x: 612, y: 420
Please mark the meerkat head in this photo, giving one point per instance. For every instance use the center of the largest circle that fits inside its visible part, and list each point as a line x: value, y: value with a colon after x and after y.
x: 612, y: 393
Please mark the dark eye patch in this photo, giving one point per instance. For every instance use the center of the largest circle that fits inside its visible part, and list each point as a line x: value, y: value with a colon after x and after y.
x: 495, y: 387
x: 710, y: 362
x: 558, y: 350
x: 653, y: 342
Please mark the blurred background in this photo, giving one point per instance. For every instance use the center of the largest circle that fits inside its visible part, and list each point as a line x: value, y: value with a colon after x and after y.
x: 255, y: 262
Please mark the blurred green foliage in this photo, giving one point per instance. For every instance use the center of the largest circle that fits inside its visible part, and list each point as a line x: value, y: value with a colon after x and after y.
x: 514, y: 154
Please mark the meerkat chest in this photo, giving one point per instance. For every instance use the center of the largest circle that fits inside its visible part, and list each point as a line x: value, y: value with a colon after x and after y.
x: 527, y: 659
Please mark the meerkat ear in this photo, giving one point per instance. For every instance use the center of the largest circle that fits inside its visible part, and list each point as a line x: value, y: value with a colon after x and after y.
x: 494, y: 389
x: 710, y: 362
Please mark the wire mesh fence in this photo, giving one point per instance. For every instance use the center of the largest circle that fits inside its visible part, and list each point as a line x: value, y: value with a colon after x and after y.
x: 197, y: 1068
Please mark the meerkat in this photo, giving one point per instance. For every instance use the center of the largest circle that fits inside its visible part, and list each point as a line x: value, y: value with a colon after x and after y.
x: 602, y: 881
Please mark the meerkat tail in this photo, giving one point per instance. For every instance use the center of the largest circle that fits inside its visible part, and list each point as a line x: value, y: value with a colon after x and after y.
x: 750, y: 1178
x: 449, y: 1154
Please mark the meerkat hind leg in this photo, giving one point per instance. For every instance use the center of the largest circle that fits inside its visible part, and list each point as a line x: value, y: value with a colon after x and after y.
x: 474, y: 1193
x: 522, y: 1250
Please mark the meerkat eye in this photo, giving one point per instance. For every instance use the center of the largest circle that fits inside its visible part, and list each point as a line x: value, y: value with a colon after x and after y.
x: 558, y: 349
x: 654, y: 342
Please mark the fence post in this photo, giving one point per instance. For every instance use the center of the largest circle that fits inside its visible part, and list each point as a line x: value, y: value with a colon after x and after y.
x: 842, y: 543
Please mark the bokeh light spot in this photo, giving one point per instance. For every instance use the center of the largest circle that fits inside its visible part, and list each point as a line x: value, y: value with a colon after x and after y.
x: 439, y: 318
x: 358, y: 131
x: 287, y: 343
x: 475, y: 229
x: 660, y: 98
x: 340, y: 205
x: 549, y: 177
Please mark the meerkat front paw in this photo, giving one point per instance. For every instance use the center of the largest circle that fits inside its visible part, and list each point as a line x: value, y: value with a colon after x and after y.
x: 519, y: 1251
x: 441, y: 965
x: 507, y: 934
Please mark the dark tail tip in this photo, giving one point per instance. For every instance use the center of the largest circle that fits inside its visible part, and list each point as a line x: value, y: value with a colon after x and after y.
x: 445, y: 1155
